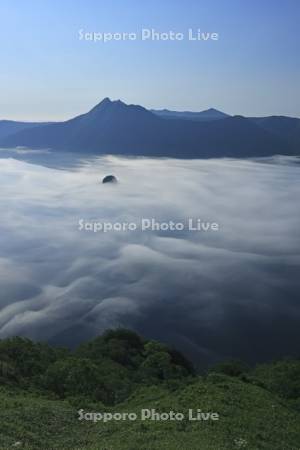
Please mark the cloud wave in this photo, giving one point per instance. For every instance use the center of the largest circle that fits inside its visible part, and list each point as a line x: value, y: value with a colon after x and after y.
x: 231, y: 293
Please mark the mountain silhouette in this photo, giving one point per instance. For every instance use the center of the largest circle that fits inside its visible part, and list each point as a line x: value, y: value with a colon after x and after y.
x: 113, y: 127
x: 208, y: 114
x: 8, y: 127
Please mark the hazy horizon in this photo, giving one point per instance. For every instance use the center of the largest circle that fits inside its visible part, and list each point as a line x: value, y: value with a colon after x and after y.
x: 50, y: 74
x: 78, y: 113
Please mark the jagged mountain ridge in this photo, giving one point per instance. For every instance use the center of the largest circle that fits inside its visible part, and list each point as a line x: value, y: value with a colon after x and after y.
x: 113, y: 127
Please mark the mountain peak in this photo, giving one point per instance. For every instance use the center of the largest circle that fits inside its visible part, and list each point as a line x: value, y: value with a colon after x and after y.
x: 214, y: 110
x: 105, y: 103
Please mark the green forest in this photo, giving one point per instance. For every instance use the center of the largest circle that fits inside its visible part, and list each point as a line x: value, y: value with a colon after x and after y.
x: 43, y: 388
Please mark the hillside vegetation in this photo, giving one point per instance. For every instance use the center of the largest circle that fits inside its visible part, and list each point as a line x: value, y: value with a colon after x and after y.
x: 42, y: 390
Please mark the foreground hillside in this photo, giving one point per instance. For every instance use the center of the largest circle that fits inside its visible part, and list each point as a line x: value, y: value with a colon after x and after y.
x: 42, y: 390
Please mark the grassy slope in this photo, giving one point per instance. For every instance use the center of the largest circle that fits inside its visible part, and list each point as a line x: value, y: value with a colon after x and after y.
x: 246, y: 412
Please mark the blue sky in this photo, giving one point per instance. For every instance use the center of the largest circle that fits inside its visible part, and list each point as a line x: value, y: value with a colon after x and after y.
x: 47, y: 73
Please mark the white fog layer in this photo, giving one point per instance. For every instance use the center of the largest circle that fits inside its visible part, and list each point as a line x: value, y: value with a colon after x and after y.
x: 214, y: 294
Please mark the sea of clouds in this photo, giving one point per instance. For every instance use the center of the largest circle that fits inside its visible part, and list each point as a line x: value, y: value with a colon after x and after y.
x: 214, y: 295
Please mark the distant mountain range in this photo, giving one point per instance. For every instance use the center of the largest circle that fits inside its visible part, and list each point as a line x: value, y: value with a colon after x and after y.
x: 208, y: 114
x: 10, y: 127
x: 113, y: 127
